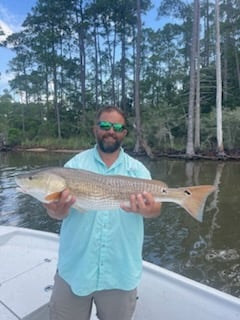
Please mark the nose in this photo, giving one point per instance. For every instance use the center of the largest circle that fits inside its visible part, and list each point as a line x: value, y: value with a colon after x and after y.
x: 111, y: 129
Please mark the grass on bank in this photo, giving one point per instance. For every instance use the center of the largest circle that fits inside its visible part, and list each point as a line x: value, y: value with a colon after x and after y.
x: 74, y: 143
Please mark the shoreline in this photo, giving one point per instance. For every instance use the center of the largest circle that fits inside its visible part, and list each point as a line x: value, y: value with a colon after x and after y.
x: 210, y: 156
x: 39, y: 149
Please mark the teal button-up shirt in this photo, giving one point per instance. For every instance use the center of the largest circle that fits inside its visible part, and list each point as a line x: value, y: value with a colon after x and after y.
x: 102, y: 250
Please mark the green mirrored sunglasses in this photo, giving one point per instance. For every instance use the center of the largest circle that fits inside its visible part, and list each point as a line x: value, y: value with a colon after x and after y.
x: 106, y: 125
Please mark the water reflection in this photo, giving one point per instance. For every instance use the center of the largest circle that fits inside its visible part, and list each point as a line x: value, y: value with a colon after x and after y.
x: 207, y: 252
x: 19, y: 209
x: 179, y: 243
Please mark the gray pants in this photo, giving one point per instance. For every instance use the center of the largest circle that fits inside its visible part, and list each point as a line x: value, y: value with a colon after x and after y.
x: 110, y: 304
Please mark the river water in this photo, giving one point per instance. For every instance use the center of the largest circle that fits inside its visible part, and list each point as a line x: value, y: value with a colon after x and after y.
x: 208, y: 252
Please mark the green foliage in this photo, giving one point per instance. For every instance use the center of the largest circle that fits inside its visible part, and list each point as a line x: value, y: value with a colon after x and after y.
x: 14, y: 137
x: 164, y: 128
x: 231, y: 129
x: 74, y: 56
x: 74, y: 143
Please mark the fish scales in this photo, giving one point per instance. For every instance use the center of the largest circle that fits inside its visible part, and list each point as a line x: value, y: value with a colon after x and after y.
x: 105, y: 191
x: 122, y: 187
x: 96, y: 186
x: 95, y: 191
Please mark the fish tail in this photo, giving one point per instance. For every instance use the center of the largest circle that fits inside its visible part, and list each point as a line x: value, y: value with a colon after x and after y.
x: 195, y: 198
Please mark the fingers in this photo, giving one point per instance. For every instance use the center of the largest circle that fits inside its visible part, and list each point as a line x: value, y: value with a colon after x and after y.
x: 133, y: 207
x: 66, y: 200
x: 144, y: 204
x: 140, y: 203
x: 60, y: 208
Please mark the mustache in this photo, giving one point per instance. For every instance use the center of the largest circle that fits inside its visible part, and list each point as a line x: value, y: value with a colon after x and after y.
x: 112, y: 135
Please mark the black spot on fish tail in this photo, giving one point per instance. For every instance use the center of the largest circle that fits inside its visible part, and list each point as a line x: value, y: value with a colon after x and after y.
x: 187, y: 192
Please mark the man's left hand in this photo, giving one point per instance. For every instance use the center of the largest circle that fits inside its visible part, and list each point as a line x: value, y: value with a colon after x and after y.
x: 144, y: 204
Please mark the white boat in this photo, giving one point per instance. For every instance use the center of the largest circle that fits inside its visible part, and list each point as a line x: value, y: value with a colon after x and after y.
x: 28, y: 263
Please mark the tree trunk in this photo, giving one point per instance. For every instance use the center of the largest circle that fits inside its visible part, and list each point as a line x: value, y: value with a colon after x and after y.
x: 111, y: 58
x: 137, y: 80
x: 82, y: 55
x: 237, y: 64
x: 220, y: 148
x: 123, y: 71
x: 190, y: 135
x: 55, y: 90
x: 96, y: 65
x: 206, y: 34
x: 140, y: 141
x: 197, y: 60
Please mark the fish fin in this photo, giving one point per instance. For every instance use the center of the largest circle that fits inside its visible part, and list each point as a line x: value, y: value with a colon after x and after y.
x: 195, y: 199
x: 53, y: 196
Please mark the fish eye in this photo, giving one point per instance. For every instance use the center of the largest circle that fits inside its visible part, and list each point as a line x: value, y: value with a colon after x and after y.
x: 30, y: 178
x: 164, y: 190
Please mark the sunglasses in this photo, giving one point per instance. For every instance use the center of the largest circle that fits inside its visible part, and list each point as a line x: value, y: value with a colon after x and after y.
x: 106, y: 126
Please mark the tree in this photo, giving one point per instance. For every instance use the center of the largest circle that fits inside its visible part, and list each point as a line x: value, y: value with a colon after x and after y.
x: 74, y: 55
x: 1, y: 35
x: 137, y: 81
x: 194, y: 65
x: 197, y: 142
x: 220, y: 147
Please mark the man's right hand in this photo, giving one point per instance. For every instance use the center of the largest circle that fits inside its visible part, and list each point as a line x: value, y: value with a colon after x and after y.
x: 60, y: 209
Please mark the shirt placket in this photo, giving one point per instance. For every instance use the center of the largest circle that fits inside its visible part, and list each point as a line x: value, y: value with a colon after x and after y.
x: 103, y: 266
x: 104, y: 269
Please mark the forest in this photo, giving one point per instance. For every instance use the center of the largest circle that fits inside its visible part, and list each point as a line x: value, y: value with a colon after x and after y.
x: 179, y: 84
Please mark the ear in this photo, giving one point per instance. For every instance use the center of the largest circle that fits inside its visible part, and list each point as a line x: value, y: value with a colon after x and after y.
x: 125, y: 132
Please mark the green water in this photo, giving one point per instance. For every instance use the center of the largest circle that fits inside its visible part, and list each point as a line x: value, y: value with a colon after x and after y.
x: 208, y: 252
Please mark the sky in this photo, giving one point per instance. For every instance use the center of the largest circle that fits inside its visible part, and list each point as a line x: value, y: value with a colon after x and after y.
x: 12, y: 15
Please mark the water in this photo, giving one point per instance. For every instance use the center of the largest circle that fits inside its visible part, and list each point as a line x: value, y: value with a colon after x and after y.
x: 208, y: 252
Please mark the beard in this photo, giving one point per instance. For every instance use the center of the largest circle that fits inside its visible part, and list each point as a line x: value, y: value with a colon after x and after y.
x: 108, y: 146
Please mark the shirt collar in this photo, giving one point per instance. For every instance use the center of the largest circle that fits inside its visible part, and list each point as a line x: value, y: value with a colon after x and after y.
x: 117, y: 162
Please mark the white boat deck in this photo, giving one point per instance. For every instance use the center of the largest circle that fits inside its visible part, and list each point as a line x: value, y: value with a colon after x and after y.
x: 28, y: 264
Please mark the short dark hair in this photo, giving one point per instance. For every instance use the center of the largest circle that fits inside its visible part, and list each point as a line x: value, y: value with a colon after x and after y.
x: 110, y: 109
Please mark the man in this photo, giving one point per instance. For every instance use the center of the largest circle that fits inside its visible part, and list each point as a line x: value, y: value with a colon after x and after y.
x: 100, y: 255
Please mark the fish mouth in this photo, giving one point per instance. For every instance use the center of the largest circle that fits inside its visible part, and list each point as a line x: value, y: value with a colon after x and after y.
x: 19, y: 189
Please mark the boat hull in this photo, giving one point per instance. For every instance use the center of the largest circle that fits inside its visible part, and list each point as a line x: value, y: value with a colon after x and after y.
x: 28, y: 265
